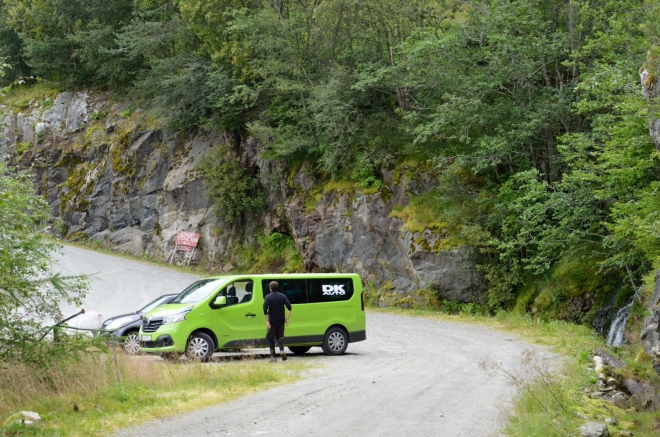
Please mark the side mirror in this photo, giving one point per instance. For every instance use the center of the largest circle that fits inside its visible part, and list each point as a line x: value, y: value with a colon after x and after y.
x: 220, y: 301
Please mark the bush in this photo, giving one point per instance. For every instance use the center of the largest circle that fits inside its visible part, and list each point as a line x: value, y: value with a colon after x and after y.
x: 232, y: 190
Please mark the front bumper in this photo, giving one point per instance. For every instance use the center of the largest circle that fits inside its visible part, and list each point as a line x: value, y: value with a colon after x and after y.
x: 164, y: 339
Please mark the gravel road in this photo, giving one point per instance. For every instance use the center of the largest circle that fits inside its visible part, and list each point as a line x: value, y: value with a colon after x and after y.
x: 412, y: 377
x: 118, y: 285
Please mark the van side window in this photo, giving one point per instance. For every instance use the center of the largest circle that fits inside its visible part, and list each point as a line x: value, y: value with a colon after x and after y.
x: 238, y: 292
x: 294, y: 289
x: 329, y: 290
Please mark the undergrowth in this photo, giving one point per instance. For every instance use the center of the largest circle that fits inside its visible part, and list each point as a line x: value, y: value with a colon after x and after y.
x: 108, y: 396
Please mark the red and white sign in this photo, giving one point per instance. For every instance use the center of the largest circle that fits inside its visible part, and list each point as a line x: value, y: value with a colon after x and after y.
x: 186, y: 241
x: 184, y: 248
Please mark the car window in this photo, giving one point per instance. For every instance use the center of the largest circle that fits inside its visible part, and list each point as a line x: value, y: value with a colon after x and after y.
x: 156, y: 303
x: 294, y: 289
x: 329, y: 290
x: 198, y: 291
x: 238, y: 292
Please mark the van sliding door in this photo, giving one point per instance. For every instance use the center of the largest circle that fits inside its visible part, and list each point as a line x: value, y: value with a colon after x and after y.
x: 296, y: 291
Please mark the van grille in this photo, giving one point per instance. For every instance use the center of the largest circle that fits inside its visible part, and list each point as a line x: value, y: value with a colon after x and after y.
x: 151, y: 325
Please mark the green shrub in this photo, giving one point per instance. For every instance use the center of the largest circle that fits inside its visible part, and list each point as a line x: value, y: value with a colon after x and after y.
x: 232, y: 190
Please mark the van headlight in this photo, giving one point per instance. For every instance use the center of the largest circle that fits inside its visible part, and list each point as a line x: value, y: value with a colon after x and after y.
x: 177, y: 317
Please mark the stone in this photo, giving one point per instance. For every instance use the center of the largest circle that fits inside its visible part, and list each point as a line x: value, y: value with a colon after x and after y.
x: 594, y: 429
x: 610, y: 421
x: 23, y: 417
x: 650, y: 334
x: 620, y: 400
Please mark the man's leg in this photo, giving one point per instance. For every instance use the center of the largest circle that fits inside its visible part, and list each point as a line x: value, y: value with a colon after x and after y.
x: 280, y: 342
x: 270, y: 336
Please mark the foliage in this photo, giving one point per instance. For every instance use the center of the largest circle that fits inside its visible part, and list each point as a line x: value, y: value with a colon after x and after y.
x: 273, y: 253
x: 234, y: 192
x: 530, y: 110
x: 29, y: 288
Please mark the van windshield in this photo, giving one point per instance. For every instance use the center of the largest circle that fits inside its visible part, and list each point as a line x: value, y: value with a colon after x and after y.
x: 198, y: 291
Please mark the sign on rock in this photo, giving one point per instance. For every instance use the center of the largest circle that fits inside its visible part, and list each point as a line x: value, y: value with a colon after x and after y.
x: 186, y: 241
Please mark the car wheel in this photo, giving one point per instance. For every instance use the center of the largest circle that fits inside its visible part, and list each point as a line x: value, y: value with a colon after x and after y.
x: 299, y: 350
x: 131, y: 343
x: 335, y: 341
x: 200, y: 347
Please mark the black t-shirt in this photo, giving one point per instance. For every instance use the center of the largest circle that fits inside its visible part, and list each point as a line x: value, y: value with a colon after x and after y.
x: 274, y: 306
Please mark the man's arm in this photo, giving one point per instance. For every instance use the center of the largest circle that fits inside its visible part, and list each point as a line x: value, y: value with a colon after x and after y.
x: 287, y: 304
x: 266, y: 312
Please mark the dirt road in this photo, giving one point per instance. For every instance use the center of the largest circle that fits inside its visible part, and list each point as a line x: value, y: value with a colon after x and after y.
x: 412, y: 377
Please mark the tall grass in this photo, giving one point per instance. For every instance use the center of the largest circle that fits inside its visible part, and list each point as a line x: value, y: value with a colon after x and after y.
x: 148, y: 388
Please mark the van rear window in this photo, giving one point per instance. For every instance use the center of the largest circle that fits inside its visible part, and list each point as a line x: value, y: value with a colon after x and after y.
x: 329, y: 290
x: 294, y: 289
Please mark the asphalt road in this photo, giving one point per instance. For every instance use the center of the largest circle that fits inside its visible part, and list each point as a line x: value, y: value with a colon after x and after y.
x: 412, y: 377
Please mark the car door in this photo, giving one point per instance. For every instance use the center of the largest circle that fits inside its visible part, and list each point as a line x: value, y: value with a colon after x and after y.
x: 296, y: 291
x: 234, y: 323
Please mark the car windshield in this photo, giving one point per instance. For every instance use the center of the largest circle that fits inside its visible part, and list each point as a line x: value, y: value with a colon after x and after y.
x: 199, y: 291
x: 156, y: 303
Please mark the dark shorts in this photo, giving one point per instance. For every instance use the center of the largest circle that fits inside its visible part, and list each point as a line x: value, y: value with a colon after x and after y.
x: 275, y: 331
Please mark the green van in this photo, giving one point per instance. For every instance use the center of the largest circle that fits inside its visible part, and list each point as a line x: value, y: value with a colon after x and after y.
x: 226, y: 313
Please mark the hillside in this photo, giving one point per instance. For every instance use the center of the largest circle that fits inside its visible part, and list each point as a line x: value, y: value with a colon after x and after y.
x: 490, y: 152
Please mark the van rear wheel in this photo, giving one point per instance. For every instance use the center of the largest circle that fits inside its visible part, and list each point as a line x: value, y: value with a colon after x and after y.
x: 299, y: 350
x: 335, y: 341
x: 200, y: 347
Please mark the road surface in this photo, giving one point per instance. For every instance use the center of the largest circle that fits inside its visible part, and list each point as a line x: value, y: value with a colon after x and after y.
x: 118, y: 285
x: 412, y: 377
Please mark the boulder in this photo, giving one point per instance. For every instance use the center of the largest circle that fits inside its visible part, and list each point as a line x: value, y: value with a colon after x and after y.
x: 594, y: 429
x: 650, y: 335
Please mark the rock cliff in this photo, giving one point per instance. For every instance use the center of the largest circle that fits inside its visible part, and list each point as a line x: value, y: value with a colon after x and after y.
x: 115, y: 178
x: 650, y: 335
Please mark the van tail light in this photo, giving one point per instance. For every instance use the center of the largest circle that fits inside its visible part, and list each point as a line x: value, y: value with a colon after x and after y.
x: 362, y: 299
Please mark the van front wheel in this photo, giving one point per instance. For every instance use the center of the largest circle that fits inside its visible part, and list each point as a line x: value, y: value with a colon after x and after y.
x: 335, y: 341
x: 200, y: 347
x: 299, y: 350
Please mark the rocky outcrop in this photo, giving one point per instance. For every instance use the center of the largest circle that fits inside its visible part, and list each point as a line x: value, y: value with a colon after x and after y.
x: 116, y: 179
x: 348, y: 231
x: 650, y: 90
x: 650, y: 335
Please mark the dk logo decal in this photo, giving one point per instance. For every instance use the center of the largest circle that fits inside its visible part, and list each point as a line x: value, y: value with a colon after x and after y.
x: 332, y: 290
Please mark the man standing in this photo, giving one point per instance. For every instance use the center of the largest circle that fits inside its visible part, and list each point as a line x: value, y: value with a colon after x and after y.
x: 274, y: 311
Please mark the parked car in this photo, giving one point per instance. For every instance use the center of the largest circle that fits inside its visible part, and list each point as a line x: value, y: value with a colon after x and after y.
x: 127, y: 326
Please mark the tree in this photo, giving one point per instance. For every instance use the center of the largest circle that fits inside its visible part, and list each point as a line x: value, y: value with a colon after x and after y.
x: 29, y: 289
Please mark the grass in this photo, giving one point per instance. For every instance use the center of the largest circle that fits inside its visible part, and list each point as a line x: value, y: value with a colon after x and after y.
x: 550, y: 404
x: 18, y: 97
x: 150, y: 388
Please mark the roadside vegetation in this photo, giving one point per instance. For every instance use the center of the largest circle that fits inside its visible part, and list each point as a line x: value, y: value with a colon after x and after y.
x: 91, y: 394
